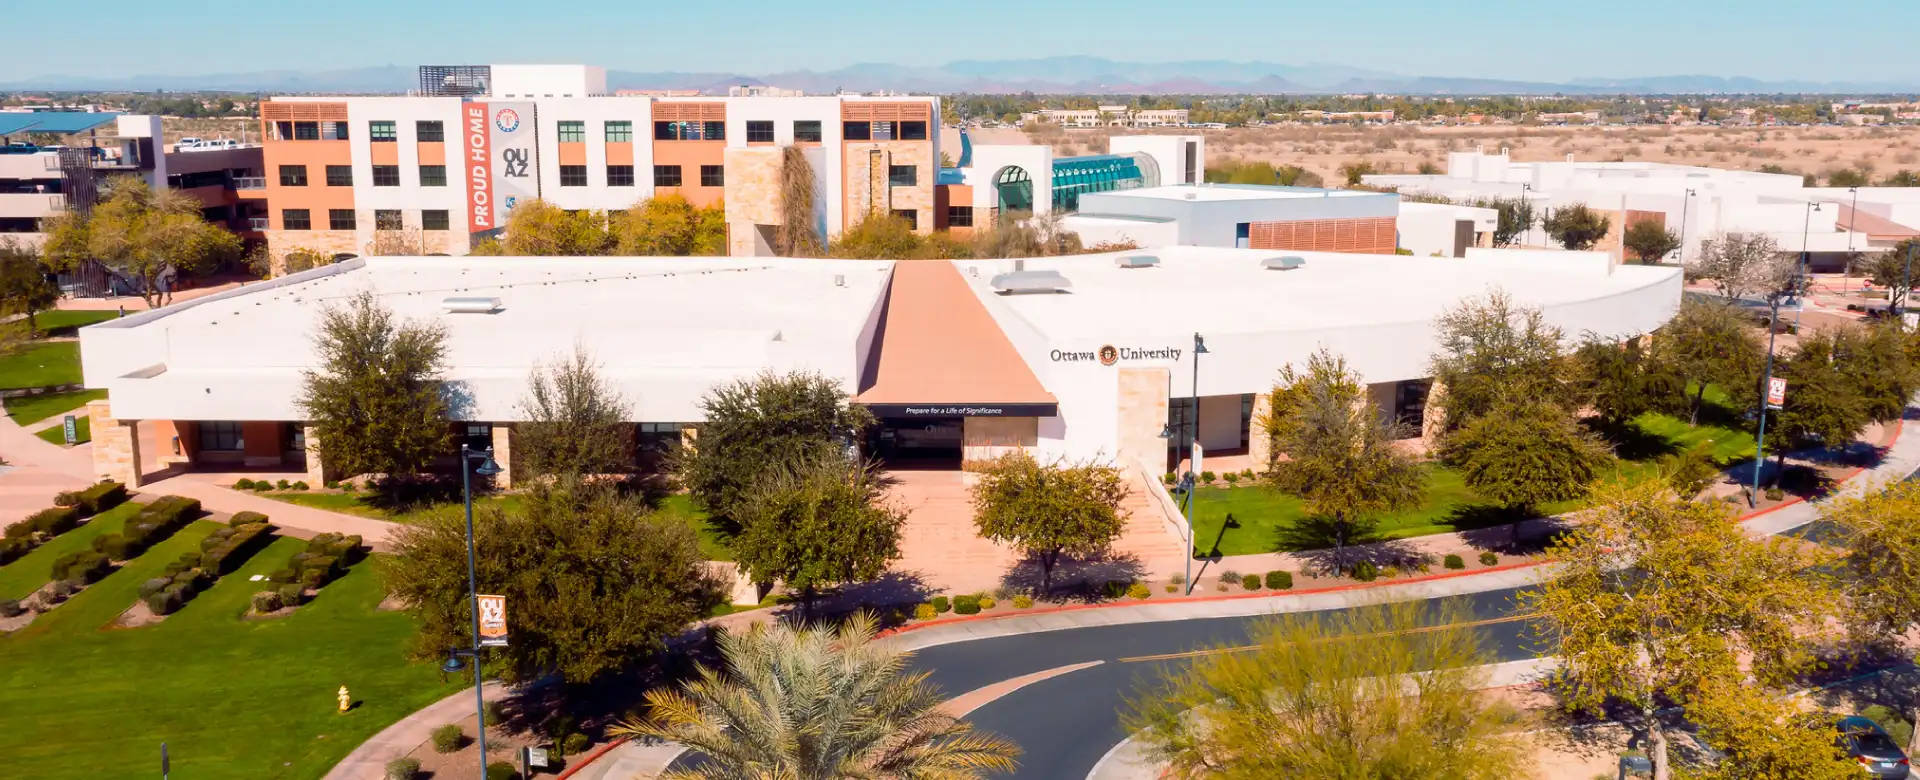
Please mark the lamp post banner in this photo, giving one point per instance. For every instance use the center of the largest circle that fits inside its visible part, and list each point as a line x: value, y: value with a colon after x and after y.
x: 493, y: 620
x: 1776, y: 392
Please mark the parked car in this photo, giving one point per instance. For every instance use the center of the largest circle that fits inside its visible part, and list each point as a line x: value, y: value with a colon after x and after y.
x: 1869, y: 744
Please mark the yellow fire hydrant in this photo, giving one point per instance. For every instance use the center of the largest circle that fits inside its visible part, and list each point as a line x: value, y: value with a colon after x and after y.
x: 346, y: 699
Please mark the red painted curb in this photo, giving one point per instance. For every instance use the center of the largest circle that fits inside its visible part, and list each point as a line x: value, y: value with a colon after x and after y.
x: 589, y: 758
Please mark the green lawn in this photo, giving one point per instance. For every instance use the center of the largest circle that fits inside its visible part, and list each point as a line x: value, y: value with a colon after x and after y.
x: 1268, y: 521
x: 24, y: 576
x: 232, y: 698
x: 82, y: 432
x: 41, y: 364
x: 712, y: 544
x: 62, y: 322
x: 29, y: 409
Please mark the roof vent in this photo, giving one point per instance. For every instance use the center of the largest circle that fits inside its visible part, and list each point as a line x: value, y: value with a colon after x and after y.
x: 1028, y: 282
x: 1137, y: 261
x: 465, y: 305
x: 839, y: 280
x: 1287, y: 263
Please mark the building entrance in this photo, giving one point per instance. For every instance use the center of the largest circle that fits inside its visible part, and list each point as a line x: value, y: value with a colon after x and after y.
x: 917, y: 443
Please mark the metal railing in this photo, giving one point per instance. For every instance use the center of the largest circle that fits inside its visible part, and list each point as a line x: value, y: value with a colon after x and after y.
x: 256, y: 223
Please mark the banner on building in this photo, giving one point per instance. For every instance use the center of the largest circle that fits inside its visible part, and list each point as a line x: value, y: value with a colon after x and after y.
x: 501, y: 162
x: 493, y: 620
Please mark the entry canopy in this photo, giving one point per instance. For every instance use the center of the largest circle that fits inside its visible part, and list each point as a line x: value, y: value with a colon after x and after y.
x: 939, y: 353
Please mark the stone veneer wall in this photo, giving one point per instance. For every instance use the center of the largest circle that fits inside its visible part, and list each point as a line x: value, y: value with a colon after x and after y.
x: 1142, y: 414
x: 116, y: 445
x: 863, y: 169
x: 984, y: 438
x: 1259, y: 446
x: 753, y: 195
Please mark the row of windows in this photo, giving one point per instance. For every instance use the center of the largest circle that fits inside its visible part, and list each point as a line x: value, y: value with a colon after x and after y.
x: 663, y: 176
x: 347, y: 219
x: 383, y: 175
x: 620, y: 130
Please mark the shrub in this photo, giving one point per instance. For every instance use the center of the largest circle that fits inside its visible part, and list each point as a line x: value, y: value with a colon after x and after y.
x: 1279, y: 580
x: 1891, y: 721
x: 236, y: 546
x: 987, y: 602
x: 1365, y: 571
x: 11, y: 608
x: 495, y: 711
x: 332, y: 485
x: 403, y: 768
x: 85, y: 566
x: 1022, y: 602
x: 60, y: 589
x: 1453, y: 561
x: 1246, y: 473
x: 575, y: 744
x: 282, y: 484
x: 1178, y: 579
x: 246, y: 518
x: 1775, y: 494
x: 1488, y: 558
x: 1233, y: 477
x: 1171, y: 588
x: 1250, y: 581
x: 282, y: 575
x: 291, y: 595
x: 52, y: 521
x: 1139, y: 590
x: 1229, y: 577
x: 966, y: 605
x: 266, y: 601
x: 941, y: 605
x: 262, y: 486
x: 243, y: 484
x: 924, y: 611
x: 1208, y: 477
x: 502, y: 770
x: 300, y: 486
x: 166, y: 602
x: 1114, y: 589
x: 67, y: 498
x: 12, y: 549
x: 449, y: 738
x: 154, y: 585
x: 1390, y: 572
x: 1170, y: 479
x: 102, y: 496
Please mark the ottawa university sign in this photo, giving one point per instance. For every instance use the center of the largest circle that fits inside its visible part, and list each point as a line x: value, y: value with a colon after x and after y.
x: 1109, y: 354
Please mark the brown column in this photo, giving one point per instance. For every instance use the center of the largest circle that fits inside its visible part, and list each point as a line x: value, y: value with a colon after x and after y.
x: 316, y: 470
x: 1259, y: 448
x: 116, y: 445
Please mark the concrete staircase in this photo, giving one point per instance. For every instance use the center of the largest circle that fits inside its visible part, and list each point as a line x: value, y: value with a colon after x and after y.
x: 1149, y: 536
x: 939, y: 543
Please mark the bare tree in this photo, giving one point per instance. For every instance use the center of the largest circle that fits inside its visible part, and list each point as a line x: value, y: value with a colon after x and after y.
x: 1746, y: 264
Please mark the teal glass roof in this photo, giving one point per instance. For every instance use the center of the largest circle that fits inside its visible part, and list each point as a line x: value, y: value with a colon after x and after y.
x: 52, y: 121
x: 1076, y: 176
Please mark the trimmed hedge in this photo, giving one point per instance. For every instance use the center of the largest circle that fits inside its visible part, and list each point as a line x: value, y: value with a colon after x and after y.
x: 86, y: 566
x: 1279, y: 580
x: 246, y: 518
x: 154, y: 523
x: 102, y: 496
x: 327, y: 557
x: 220, y: 553
x: 233, y: 545
x: 966, y: 605
x: 12, y: 549
x: 1453, y: 561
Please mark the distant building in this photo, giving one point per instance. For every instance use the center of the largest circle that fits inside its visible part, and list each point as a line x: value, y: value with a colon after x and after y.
x: 1110, y: 116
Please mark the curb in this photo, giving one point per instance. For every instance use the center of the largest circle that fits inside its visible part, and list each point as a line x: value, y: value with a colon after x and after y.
x: 573, y: 767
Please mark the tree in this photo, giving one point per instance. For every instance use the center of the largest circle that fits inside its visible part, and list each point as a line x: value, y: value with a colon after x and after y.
x: 24, y: 286
x: 877, y: 237
x: 1355, y: 171
x: 766, y: 425
x: 1049, y: 510
x: 1515, y: 219
x: 1880, y: 530
x: 1707, y: 343
x: 1875, y: 361
x: 1341, y: 459
x: 796, y: 235
x: 1743, y: 264
x: 1847, y: 177
x: 143, y: 234
x: 594, y: 579
x: 1764, y: 736
x: 1825, y: 405
x: 1524, y: 453
x: 819, y: 524
x: 537, y: 228
x: 1893, y: 270
x: 1657, y: 595
x: 1902, y: 179
x: 816, y: 703
x: 575, y: 422
x: 375, y: 401
x: 1621, y: 378
x: 1650, y: 241
x: 1576, y: 227
x: 397, y: 242
x: 665, y: 225
x: 1381, y: 691
x: 1490, y: 347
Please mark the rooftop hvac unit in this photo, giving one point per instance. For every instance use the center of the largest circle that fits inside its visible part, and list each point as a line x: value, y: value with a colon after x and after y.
x: 459, y: 305
x: 1029, y: 282
x: 1287, y: 263
x: 1137, y: 261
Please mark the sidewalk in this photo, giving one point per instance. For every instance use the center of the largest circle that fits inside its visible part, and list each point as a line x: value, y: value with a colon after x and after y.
x: 369, y: 760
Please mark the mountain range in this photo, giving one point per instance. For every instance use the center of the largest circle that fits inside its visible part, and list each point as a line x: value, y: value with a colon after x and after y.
x: 1056, y: 75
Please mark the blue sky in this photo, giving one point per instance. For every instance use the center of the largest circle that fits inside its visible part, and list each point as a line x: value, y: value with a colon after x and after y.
x: 1771, y: 39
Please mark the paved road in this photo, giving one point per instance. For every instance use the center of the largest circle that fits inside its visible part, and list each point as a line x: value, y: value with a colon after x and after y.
x: 1066, y: 723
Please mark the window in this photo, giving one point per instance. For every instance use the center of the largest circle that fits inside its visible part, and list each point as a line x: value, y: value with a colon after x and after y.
x: 433, y: 219
x: 666, y: 175
x: 619, y: 175
x: 713, y: 176
x: 478, y: 436
x: 433, y: 175
x: 386, y: 175
x: 573, y: 132
x: 883, y: 131
x: 339, y: 175
x: 386, y: 219
x: 806, y: 130
x: 573, y: 175
x: 333, y: 131
x: 759, y: 132
x: 689, y: 131
x: 340, y: 219
x: 382, y: 130
x: 658, y: 437
x: 306, y: 131
x: 293, y: 175
x: 913, y: 131
x: 959, y: 216
x: 856, y: 131
x: 903, y: 175
x: 910, y: 215
x: 620, y: 130
x: 295, y: 219
x: 223, y: 436
x: 429, y: 130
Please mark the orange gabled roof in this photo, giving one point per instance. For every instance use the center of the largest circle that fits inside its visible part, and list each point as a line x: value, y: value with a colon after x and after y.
x: 938, y: 344
x: 1874, y: 225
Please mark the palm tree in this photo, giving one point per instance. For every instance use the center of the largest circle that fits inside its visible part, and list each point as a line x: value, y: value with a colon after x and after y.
x: 817, y: 704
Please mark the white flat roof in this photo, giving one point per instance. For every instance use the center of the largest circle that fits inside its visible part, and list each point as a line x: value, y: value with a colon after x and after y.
x: 1232, y: 192
x: 663, y: 329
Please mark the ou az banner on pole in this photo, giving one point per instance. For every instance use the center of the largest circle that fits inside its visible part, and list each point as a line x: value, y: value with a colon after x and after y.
x: 1776, y: 392
x: 493, y: 621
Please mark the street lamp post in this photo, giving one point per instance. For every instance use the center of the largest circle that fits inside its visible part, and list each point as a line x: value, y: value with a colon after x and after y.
x: 1685, y: 204
x: 1800, y: 270
x: 487, y: 468
x: 1906, y: 284
x: 1852, y: 213
x: 1526, y: 231
x: 1193, y: 462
